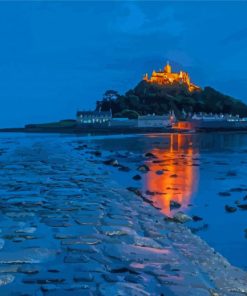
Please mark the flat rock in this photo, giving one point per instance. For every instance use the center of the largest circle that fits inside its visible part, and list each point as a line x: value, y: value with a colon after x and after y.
x: 6, y: 279
x: 83, y: 277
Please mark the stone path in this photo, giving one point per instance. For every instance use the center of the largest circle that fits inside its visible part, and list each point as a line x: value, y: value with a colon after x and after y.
x: 67, y: 229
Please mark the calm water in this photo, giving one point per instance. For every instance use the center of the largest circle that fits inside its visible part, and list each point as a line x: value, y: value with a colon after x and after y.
x: 196, y: 168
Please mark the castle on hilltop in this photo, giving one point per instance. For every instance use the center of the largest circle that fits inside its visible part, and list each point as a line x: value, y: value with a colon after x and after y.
x: 166, y: 77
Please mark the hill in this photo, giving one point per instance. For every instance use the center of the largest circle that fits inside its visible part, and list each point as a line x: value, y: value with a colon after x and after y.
x: 149, y: 98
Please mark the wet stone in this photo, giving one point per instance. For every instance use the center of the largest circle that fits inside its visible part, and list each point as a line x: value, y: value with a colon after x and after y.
x: 64, y: 236
x: 43, y: 280
x: 174, y: 205
x: 87, y: 229
x: 88, y: 220
x: 197, y: 218
x: 143, y: 168
x: 137, y: 177
x: 230, y: 209
x: 112, y: 162
x: 179, y: 217
x: 243, y: 206
x: 132, y: 278
x: 225, y: 193
x: 159, y: 172
x: 80, y: 241
x: 173, y: 176
x: 26, y: 230
x: 82, y: 249
x: 6, y: 279
x: 28, y: 269
x: 48, y: 287
x: 83, y: 277
x: 5, y: 268
x: 29, y: 255
x: 114, y: 231
x: 73, y: 258
x: 56, y: 222
x: 111, y: 278
x: 122, y: 289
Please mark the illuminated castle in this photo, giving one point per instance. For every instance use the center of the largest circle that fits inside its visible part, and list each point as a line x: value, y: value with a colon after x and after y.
x: 166, y: 77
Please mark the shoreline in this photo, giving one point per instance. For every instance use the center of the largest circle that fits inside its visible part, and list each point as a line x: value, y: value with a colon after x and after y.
x: 96, y: 235
x: 115, y: 130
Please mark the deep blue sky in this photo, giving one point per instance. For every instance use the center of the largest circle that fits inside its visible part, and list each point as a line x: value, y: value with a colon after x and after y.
x: 56, y: 57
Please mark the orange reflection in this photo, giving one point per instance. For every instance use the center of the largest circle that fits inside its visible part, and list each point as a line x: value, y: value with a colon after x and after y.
x: 174, y: 174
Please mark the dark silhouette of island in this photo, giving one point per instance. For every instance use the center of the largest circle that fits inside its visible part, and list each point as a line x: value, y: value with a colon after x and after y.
x: 153, y: 98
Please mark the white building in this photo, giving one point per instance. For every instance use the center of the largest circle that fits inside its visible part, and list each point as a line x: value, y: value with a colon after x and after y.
x: 93, y: 118
x: 154, y: 121
x: 123, y: 122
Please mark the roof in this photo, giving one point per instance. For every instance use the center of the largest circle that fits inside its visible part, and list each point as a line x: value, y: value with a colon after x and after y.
x: 95, y: 113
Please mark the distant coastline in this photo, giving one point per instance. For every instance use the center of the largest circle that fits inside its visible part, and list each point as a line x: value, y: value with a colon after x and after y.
x: 88, y: 130
x: 109, y: 130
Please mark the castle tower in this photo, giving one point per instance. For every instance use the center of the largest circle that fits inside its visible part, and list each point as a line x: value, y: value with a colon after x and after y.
x: 168, y: 68
x: 145, y: 77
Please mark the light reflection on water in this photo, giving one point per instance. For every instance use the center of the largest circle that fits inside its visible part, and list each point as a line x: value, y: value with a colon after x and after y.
x: 217, y: 154
x: 179, y: 179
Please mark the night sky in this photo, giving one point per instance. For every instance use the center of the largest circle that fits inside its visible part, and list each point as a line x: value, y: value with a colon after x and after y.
x: 58, y: 57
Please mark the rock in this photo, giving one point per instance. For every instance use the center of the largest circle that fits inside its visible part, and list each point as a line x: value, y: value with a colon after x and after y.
x: 243, y: 206
x: 29, y: 255
x: 74, y: 258
x: 112, y: 162
x: 238, y: 189
x: 197, y: 229
x: 179, y: 217
x: 197, y: 218
x: 173, y: 176
x: 135, y: 190
x: 159, y: 172
x: 43, y: 280
x: 6, y: 279
x: 81, y: 147
x: 96, y: 153
x: 143, y: 168
x: 124, y: 269
x: 48, y: 287
x: 132, y: 278
x: 121, y: 288
x: 150, y: 155
x: 137, y: 177
x: 28, y: 269
x: 123, y: 168
x: 83, y: 277
x: 110, y: 278
x: 231, y: 174
x: 114, y: 230
x: 26, y: 230
x: 230, y: 209
x: 174, y: 205
x: 225, y: 193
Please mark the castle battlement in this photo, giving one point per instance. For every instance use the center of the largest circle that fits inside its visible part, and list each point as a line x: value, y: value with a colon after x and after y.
x: 166, y: 77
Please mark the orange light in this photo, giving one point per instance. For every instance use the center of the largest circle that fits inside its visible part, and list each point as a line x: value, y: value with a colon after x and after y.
x: 179, y: 179
x: 167, y: 77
